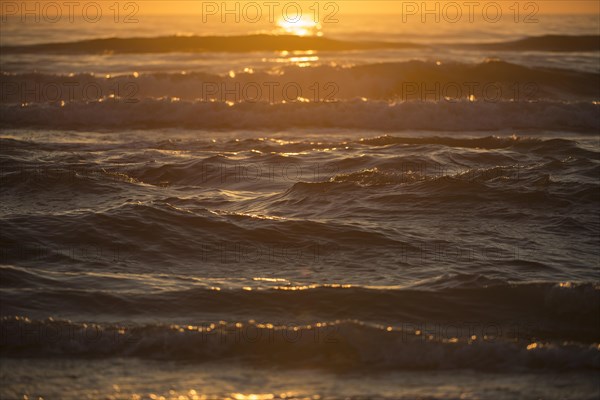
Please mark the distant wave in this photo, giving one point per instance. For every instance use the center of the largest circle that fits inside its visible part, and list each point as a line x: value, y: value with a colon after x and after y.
x: 555, y: 43
x: 263, y: 42
x: 353, y: 114
x: 200, y: 44
x: 402, y: 81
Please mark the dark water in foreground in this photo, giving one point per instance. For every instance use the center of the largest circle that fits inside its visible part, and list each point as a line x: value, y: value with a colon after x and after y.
x: 333, y: 251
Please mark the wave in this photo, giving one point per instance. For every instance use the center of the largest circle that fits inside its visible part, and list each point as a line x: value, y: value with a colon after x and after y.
x: 275, y: 150
x: 491, y: 81
x: 200, y: 44
x: 554, y: 43
x: 354, y: 114
x: 507, y: 171
x: 338, y: 345
x: 264, y: 42
x: 546, y: 311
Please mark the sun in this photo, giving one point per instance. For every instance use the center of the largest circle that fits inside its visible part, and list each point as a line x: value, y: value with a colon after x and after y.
x: 304, y: 26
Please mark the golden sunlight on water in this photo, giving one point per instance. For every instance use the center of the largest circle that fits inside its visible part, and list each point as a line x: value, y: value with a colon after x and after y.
x: 302, y: 26
x: 194, y: 395
x: 299, y: 200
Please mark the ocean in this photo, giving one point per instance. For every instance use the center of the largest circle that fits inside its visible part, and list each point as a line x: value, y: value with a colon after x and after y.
x: 363, y: 207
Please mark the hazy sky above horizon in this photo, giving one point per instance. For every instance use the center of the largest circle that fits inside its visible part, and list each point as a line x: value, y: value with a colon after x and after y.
x: 345, y: 6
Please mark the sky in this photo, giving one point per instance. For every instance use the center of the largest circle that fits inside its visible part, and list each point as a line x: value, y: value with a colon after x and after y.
x: 378, y: 7
x: 345, y: 6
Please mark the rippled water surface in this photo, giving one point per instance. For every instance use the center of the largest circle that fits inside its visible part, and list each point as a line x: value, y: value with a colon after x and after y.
x: 417, y: 217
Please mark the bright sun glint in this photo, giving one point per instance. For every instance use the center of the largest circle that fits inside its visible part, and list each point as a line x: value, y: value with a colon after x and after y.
x: 304, y: 26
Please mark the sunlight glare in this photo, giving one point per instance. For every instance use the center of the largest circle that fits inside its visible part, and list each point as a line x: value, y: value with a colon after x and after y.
x: 304, y: 26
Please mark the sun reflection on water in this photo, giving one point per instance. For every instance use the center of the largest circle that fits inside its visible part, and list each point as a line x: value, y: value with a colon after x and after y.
x: 194, y: 395
x: 303, y: 26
